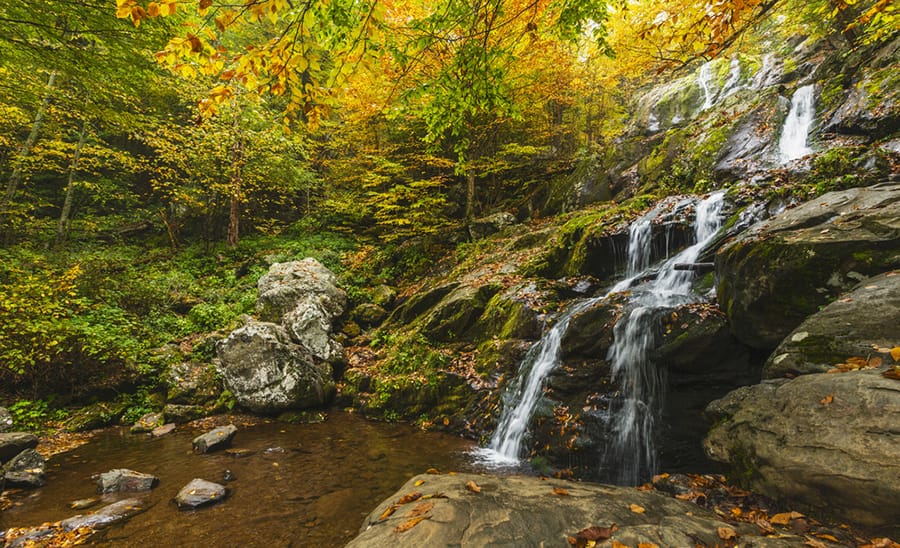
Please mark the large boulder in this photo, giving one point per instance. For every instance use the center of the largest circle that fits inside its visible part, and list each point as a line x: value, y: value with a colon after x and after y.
x: 13, y: 443
x: 310, y: 326
x: 825, y: 440
x: 475, y: 510
x: 267, y: 372
x: 25, y: 470
x: 191, y: 383
x: 780, y: 271
x: 285, y: 285
x: 856, y: 325
x: 452, y: 318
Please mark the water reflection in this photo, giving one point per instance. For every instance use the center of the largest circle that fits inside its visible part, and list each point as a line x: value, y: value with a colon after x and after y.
x: 299, y: 485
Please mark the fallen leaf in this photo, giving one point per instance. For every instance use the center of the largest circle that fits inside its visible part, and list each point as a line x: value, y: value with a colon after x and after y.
x: 895, y: 353
x: 637, y: 509
x: 827, y: 399
x: 597, y: 533
x: 826, y: 536
x: 784, y: 518
x: 617, y: 544
x: 421, y: 509
x: 409, y: 524
x: 659, y: 477
x: 411, y: 497
x: 765, y: 526
x: 726, y: 533
x: 892, y: 373
x: 419, y: 482
x: 472, y: 486
x: 387, y: 513
x: 432, y: 471
x: 814, y: 543
x: 560, y: 491
x: 875, y: 361
x: 647, y: 545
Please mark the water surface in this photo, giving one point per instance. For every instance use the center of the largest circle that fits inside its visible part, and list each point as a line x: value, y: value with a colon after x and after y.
x: 303, y: 485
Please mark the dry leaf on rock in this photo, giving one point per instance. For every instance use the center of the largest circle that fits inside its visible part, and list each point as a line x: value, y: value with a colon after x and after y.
x: 409, y: 524
x: 421, y: 509
x: 472, y: 486
x: 726, y: 533
x: 785, y: 517
x: 636, y: 508
x: 410, y: 497
x: 827, y: 399
x: 560, y: 491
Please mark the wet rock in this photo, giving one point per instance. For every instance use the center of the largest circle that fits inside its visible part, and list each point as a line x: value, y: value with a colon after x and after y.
x: 106, y: 516
x: 198, y: 493
x: 287, y: 284
x: 192, y: 383
x: 83, y: 504
x: 780, y: 271
x: 124, y: 480
x: 147, y: 423
x: 421, y: 302
x: 855, y: 325
x: 6, y: 420
x: 13, y: 443
x: 749, y: 148
x: 871, y: 107
x: 180, y: 414
x: 525, y: 511
x: 163, y: 430
x: 510, y: 315
x: 228, y: 475
x: 215, y: 439
x: 369, y: 314
x: 267, y: 372
x: 25, y: 470
x: 384, y: 296
x: 828, y: 441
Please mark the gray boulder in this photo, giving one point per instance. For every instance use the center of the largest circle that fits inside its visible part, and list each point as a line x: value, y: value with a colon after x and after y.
x: 485, y: 226
x: 856, y: 325
x: 825, y: 440
x: 310, y: 326
x: 199, y: 492
x: 147, y: 423
x: 25, y: 470
x: 369, y: 314
x: 215, y: 439
x: 529, y: 511
x: 13, y: 443
x: 267, y: 372
x: 287, y: 284
x: 6, y: 420
x: 780, y: 271
x: 192, y: 383
x: 123, y: 479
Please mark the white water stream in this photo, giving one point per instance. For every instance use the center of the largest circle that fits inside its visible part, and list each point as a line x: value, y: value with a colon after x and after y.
x: 704, y: 80
x: 641, y: 386
x: 792, y: 144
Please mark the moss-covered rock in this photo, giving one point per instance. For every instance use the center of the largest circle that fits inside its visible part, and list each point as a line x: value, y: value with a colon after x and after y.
x: 96, y: 415
x: 453, y: 317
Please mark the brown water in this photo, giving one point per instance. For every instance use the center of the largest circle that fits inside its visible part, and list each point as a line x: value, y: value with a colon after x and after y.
x: 304, y: 485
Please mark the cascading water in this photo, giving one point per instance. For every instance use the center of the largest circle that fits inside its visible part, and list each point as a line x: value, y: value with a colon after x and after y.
x: 792, y: 144
x: 631, y: 453
x: 644, y: 384
x: 704, y: 80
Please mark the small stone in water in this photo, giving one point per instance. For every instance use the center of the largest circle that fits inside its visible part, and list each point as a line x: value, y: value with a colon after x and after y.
x: 81, y: 504
x: 228, y: 475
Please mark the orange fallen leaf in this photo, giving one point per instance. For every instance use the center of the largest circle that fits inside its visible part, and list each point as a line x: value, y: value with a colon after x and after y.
x: 617, y: 544
x: 596, y: 533
x: 636, y: 508
x: 814, y: 543
x: 647, y: 545
x: 875, y: 361
x: 421, y: 509
x: 409, y: 524
x: 726, y: 533
x: 419, y: 482
x: 472, y: 486
x: 785, y: 517
x: 387, y: 513
x: 560, y: 491
x: 410, y: 497
x: 827, y: 399
x: 432, y: 471
x: 895, y: 353
x: 765, y: 526
x: 892, y: 373
x: 826, y: 536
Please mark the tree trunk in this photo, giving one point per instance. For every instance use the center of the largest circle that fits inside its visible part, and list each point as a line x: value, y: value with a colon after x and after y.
x: 25, y: 150
x: 234, y: 214
x: 63, y: 229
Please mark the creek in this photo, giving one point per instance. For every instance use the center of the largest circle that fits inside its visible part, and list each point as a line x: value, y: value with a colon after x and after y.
x: 300, y: 485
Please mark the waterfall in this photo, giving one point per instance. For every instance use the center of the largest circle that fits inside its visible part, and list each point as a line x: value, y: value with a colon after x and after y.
x: 543, y: 357
x: 792, y: 144
x: 704, y: 79
x: 631, y: 453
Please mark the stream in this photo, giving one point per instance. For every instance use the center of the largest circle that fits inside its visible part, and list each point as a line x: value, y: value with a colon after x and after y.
x: 302, y: 485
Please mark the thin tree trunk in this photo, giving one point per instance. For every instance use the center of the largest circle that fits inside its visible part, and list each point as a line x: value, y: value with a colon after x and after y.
x: 234, y: 214
x: 63, y: 229
x: 25, y: 150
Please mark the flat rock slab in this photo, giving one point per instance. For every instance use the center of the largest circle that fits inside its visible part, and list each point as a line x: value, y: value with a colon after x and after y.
x: 199, y: 492
x: 856, y: 325
x: 217, y: 438
x: 475, y: 510
x: 147, y: 423
x: 106, y: 516
x: 123, y: 479
x: 163, y: 430
x: 13, y: 443
x: 830, y: 441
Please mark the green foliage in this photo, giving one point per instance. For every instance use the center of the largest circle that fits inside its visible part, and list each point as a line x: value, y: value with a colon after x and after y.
x: 33, y: 415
